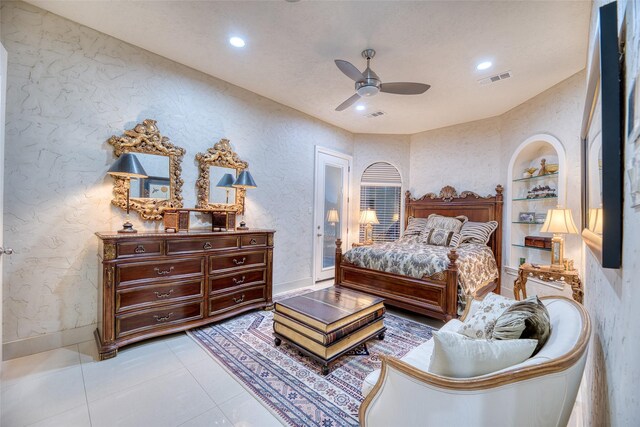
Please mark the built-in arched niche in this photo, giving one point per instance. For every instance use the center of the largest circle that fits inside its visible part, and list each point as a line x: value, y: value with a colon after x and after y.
x: 530, y: 193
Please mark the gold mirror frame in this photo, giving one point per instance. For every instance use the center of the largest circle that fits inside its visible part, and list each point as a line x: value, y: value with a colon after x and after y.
x: 145, y: 138
x: 221, y: 154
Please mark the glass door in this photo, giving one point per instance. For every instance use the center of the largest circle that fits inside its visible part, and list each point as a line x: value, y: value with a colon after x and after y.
x: 332, y: 187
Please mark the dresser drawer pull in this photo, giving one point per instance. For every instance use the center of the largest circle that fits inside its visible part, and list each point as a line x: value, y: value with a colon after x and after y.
x: 139, y: 249
x: 253, y: 241
x: 163, y: 272
x: 161, y: 295
x: 207, y: 246
x: 236, y: 262
x: 161, y: 319
x: 238, y: 300
x: 239, y: 282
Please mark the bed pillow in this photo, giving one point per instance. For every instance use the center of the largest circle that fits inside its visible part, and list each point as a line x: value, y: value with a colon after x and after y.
x: 415, y: 226
x: 446, y: 222
x: 439, y: 237
x: 457, y: 356
x: 480, y: 325
x: 524, y: 319
x: 477, y: 232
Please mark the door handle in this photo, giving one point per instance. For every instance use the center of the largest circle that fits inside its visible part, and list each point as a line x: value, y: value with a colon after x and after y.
x: 6, y: 251
x: 319, y: 234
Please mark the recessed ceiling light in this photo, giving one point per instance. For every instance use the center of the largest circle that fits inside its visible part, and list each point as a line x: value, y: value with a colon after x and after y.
x: 236, y: 42
x: 484, y: 65
x: 359, y: 107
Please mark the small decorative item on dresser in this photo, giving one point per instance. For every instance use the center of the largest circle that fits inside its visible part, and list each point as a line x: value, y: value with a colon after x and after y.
x: 245, y: 180
x: 127, y: 166
x: 176, y: 220
x: 223, y: 221
x: 559, y: 221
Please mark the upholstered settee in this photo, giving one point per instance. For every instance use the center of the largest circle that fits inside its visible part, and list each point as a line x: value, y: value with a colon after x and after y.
x: 540, y: 391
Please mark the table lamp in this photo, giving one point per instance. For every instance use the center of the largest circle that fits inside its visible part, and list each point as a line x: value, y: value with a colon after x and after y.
x: 559, y: 221
x: 333, y: 218
x: 368, y: 217
x: 595, y: 220
x: 244, y: 180
x: 127, y: 166
x: 226, y: 182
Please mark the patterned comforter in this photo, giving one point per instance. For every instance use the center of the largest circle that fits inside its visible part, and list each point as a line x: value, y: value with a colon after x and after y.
x: 407, y: 257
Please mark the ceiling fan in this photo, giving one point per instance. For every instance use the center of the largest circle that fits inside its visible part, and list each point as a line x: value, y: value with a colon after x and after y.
x: 368, y: 83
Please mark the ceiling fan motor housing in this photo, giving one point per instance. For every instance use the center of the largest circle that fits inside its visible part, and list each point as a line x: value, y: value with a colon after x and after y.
x: 369, y: 87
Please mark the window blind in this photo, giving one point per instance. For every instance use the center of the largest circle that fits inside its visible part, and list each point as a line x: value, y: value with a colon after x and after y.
x: 380, y: 190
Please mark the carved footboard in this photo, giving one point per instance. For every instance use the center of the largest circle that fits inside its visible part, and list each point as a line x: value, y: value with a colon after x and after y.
x: 435, y: 296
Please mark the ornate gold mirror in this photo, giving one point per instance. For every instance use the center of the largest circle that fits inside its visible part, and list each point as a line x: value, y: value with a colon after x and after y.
x: 219, y: 168
x: 161, y: 160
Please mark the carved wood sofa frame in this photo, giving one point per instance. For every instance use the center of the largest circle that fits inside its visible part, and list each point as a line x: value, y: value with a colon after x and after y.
x: 437, y: 295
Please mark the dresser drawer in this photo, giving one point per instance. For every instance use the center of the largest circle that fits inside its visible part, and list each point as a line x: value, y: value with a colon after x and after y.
x: 252, y: 240
x: 240, y: 278
x: 220, y: 264
x: 215, y: 243
x: 151, y: 295
x: 233, y: 300
x: 157, y: 270
x: 127, y: 324
x: 139, y: 248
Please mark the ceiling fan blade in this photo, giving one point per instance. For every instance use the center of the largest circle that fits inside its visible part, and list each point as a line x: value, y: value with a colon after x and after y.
x: 348, y: 103
x: 404, y: 88
x: 350, y: 70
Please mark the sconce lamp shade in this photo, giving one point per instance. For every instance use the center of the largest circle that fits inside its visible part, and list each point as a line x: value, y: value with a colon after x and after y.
x: 595, y: 220
x: 226, y: 181
x: 559, y: 221
x: 368, y: 217
x: 332, y: 215
x: 127, y: 166
x: 245, y: 180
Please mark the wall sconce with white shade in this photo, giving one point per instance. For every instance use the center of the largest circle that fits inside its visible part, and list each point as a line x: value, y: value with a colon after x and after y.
x: 559, y: 222
x: 368, y: 217
x: 127, y: 166
x: 244, y: 180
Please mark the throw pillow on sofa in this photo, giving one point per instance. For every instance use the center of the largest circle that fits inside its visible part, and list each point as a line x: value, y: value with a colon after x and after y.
x: 458, y: 356
x: 524, y: 319
x: 480, y: 325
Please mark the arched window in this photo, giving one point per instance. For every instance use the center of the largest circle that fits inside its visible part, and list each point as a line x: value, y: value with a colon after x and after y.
x: 380, y: 192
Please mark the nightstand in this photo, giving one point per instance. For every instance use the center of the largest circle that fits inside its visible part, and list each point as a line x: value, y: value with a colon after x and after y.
x: 546, y: 274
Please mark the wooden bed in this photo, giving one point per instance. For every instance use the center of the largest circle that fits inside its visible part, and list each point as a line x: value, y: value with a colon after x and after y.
x: 437, y: 295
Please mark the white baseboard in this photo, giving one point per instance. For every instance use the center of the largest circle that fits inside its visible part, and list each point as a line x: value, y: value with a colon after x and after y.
x: 279, y: 288
x: 45, y: 342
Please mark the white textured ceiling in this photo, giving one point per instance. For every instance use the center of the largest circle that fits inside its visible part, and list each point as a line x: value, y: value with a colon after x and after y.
x: 291, y: 47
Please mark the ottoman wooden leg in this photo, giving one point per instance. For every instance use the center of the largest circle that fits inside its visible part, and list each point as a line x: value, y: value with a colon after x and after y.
x: 325, y: 369
x: 381, y: 336
x: 277, y: 341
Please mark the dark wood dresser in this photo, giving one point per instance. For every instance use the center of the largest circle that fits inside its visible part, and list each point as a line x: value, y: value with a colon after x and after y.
x: 160, y: 283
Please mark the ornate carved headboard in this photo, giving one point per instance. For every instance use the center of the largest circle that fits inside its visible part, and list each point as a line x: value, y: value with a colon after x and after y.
x: 467, y: 203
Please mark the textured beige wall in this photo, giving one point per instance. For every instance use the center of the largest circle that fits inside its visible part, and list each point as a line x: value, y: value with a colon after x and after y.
x: 71, y: 88
x: 611, y: 297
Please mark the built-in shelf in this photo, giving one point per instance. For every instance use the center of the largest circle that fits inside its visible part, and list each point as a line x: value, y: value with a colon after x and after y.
x: 533, y: 178
x: 533, y: 199
x: 531, y: 247
x: 529, y: 223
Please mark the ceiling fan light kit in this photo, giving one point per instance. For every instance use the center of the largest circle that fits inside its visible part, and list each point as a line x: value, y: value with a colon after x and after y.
x: 369, y: 84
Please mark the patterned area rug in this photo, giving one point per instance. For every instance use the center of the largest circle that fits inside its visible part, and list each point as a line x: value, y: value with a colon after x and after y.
x: 291, y: 384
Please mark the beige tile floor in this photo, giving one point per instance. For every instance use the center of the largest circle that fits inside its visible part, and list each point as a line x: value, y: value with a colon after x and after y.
x: 168, y: 381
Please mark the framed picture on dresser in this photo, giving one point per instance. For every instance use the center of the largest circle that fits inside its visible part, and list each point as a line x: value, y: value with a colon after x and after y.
x: 602, y: 144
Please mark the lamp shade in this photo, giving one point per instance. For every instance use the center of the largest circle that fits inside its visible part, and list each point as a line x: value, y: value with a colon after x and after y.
x: 332, y: 215
x: 368, y: 217
x: 245, y: 180
x: 128, y: 166
x: 227, y: 181
x: 559, y: 221
x: 595, y: 220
